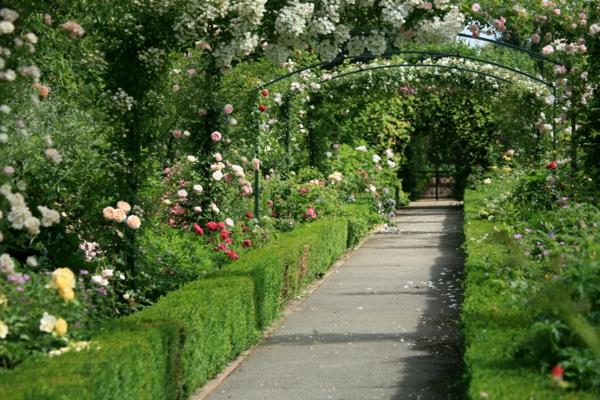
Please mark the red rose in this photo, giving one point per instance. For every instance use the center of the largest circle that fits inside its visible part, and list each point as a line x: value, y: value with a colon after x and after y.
x: 221, y: 225
x: 213, y: 226
x: 198, y: 229
x: 223, y: 247
x: 558, y: 372
x: 311, y: 213
x: 265, y: 92
x: 262, y: 108
x: 247, y: 243
x: 552, y: 165
x: 232, y: 255
x: 224, y: 234
x: 249, y: 214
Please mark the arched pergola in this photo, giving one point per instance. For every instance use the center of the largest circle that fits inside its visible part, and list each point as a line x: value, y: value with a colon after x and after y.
x: 344, y: 59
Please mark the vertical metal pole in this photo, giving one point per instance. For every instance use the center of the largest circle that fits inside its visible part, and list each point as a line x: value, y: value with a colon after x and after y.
x: 574, y: 141
x: 288, y: 128
x: 437, y: 182
x: 554, y: 136
x: 257, y: 172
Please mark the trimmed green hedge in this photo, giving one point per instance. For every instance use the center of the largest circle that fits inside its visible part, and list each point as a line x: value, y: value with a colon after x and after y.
x: 493, y: 324
x: 361, y: 219
x: 117, y: 367
x: 170, y: 349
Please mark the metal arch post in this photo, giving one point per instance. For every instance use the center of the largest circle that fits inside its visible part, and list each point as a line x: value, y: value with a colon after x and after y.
x: 257, y: 170
x: 554, y: 135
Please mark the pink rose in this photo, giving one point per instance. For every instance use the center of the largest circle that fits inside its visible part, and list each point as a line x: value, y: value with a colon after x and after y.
x: 216, y: 136
x: 548, y: 50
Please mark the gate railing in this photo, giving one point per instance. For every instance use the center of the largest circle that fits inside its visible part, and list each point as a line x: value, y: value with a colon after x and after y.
x: 440, y: 184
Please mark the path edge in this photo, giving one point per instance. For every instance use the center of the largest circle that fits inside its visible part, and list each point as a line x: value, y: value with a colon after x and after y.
x: 290, y: 308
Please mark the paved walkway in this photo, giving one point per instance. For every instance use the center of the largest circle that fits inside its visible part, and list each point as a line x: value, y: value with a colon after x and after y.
x: 383, y: 326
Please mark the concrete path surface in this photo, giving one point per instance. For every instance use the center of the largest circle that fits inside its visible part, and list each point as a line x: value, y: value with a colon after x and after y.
x: 383, y: 326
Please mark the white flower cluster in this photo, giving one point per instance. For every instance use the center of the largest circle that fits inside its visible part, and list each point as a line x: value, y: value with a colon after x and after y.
x: 152, y: 58
x: 232, y: 29
x: 205, y: 22
x: 440, y: 30
x: 103, y: 279
x: 7, y: 265
x: 20, y: 215
x: 122, y: 101
x: 325, y: 25
x: 335, y: 178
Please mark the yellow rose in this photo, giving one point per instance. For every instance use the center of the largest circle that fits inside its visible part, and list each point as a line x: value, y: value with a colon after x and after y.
x: 3, y: 300
x: 61, y: 327
x: 66, y: 293
x: 63, y: 278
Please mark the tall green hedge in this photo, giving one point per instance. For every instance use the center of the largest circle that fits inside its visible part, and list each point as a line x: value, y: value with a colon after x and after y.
x: 170, y: 349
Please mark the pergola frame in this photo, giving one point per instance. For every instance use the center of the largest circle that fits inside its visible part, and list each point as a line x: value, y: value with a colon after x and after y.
x: 342, y: 58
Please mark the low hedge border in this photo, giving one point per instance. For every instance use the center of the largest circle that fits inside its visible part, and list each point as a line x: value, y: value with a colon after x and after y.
x: 168, y: 350
x: 493, y: 325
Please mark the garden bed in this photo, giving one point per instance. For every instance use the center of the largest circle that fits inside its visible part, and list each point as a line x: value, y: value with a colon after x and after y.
x: 500, y: 310
x: 171, y: 348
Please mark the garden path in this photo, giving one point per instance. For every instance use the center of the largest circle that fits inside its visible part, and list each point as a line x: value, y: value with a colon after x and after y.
x: 382, y: 326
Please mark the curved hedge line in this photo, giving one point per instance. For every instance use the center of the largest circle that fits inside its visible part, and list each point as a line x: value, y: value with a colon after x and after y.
x: 170, y: 349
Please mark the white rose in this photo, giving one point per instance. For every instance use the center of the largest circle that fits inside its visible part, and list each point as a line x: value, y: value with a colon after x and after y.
x: 47, y: 323
x: 99, y: 280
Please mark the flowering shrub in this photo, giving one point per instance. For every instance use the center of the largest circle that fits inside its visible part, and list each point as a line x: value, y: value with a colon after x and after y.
x: 550, y: 229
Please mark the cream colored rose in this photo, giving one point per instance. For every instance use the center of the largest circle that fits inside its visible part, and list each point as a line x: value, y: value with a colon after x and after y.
x: 134, y: 222
x: 120, y: 215
x: 3, y: 330
x: 123, y: 205
x: 47, y: 323
x: 109, y: 213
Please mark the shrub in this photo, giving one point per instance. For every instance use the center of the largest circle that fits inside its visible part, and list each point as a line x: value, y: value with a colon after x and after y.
x: 510, y: 334
x: 131, y: 361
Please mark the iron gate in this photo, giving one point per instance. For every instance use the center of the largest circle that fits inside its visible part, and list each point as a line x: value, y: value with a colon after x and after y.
x: 439, y: 184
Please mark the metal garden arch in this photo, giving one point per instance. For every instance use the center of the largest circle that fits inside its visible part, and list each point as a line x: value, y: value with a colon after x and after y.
x: 433, y: 54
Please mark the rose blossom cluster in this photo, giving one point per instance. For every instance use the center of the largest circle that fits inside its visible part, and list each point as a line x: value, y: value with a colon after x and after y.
x: 119, y: 215
x: 222, y: 235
